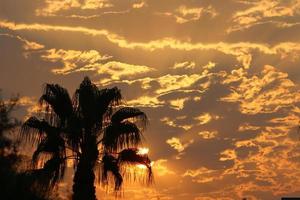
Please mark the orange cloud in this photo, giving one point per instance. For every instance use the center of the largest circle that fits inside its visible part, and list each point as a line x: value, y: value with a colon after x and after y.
x: 265, y: 11
x: 160, y: 168
x: 177, y: 144
x: 253, y: 98
x: 208, y: 134
x: 52, y: 7
x: 184, y: 14
x: 241, y: 50
x: 168, y: 121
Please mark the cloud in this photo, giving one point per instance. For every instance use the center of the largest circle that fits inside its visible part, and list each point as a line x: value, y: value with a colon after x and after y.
x: 52, y: 7
x: 168, y: 121
x: 242, y: 51
x: 247, y: 127
x: 178, y: 104
x: 92, y: 60
x: 96, y: 4
x: 205, y: 118
x: 146, y: 101
x: 266, y: 11
x: 185, y: 65
x: 208, y: 134
x: 228, y: 154
x: 265, y: 93
x: 139, y: 5
x: 203, y: 175
x: 223, y: 108
x: 27, y: 45
x: 184, y: 14
x: 73, y: 60
x: 161, y: 168
x: 177, y: 144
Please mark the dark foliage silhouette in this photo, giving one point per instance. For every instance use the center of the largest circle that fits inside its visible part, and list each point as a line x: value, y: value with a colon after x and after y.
x: 91, y: 130
x: 13, y: 183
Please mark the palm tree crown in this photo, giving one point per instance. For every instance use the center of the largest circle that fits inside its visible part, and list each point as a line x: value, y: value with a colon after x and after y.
x: 92, y: 130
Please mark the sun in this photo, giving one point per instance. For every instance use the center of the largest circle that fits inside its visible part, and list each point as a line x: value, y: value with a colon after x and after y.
x: 143, y: 151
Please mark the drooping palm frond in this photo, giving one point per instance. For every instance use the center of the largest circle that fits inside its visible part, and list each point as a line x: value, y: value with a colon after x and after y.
x: 121, y: 135
x: 44, y: 179
x: 132, y: 156
x: 130, y: 113
x: 55, y: 167
x: 34, y: 129
x: 74, y: 133
x: 110, y: 165
x: 53, y: 145
x: 57, y: 100
x: 107, y: 99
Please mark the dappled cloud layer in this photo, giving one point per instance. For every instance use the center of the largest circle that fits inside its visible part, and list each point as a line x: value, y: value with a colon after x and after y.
x: 219, y: 81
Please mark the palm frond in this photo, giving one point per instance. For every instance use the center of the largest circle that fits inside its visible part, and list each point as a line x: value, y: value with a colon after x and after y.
x: 107, y: 99
x: 130, y: 113
x: 110, y: 165
x: 53, y: 145
x: 94, y: 104
x: 44, y: 179
x: 131, y: 156
x: 57, y: 100
x: 85, y: 100
x: 73, y: 133
x: 121, y: 135
x: 34, y: 129
x: 55, y: 167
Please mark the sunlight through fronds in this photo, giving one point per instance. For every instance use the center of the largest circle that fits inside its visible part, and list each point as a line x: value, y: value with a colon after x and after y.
x: 33, y: 130
x: 143, y: 151
x: 86, y: 128
x: 110, y: 165
x: 128, y: 113
x: 121, y: 135
x: 129, y: 159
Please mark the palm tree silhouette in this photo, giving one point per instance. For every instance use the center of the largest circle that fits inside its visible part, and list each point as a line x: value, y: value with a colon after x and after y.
x: 91, y: 130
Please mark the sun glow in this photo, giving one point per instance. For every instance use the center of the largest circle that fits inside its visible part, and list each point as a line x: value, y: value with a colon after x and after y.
x: 143, y: 151
x: 142, y: 166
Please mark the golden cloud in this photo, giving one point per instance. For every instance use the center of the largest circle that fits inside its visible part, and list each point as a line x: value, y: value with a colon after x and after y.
x: 265, y: 11
x: 184, y: 14
x: 206, y: 118
x: 241, y: 50
x: 178, y: 104
x: 203, y: 175
x: 146, y: 101
x: 168, y: 121
x: 52, y: 7
x: 185, y: 65
x: 160, y: 168
x: 228, y: 154
x: 247, y: 127
x: 76, y: 61
x: 73, y: 60
x: 208, y: 134
x: 27, y: 45
x: 176, y: 144
x: 253, y: 96
x: 139, y: 5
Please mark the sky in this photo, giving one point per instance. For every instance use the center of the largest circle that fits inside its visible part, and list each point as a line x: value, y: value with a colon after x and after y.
x: 218, y: 79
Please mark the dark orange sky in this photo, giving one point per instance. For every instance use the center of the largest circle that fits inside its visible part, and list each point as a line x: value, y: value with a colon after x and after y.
x: 219, y: 80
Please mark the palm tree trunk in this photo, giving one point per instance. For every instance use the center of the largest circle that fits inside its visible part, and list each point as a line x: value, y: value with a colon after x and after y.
x: 83, y: 182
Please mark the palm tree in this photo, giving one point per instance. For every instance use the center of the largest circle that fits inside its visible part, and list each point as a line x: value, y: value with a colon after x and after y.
x: 92, y: 130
